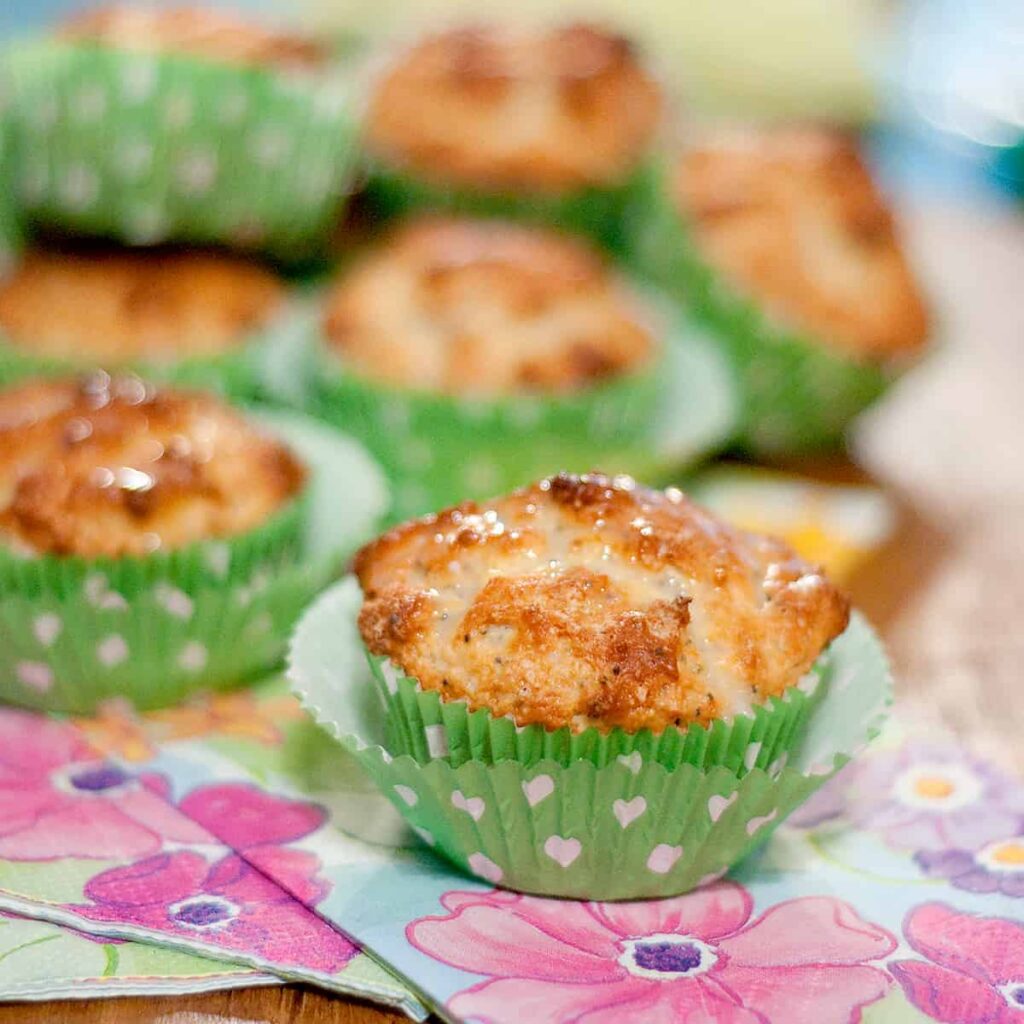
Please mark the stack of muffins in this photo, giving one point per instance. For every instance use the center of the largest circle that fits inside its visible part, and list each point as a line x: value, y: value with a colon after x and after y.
x: 205, y: 357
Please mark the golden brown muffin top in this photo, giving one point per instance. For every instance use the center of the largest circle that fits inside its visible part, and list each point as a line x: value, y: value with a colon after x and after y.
x: 481, y: 307
x: 118, y: 306
x: 793, y: 218
x: 496, y: 108
x: 108, y: 468
x: 592, y: 601
x: 200, y: 32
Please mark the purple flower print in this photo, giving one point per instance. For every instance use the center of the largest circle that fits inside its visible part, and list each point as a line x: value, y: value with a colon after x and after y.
x: 996, y: 867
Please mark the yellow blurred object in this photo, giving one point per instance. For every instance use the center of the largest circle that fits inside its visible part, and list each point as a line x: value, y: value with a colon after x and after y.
x: 788, y: 58
x: 837, y: 526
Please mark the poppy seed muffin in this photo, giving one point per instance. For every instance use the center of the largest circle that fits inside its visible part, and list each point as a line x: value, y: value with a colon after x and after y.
x: 589, y: 601
x: 108, y: 467
x: 499, y: 109
x: 202, y: 33
x: 793, y: 219
x: 118, y: 307
x: 485, y: 308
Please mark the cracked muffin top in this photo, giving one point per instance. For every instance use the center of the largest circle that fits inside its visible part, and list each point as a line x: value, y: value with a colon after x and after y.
x: 591, y: 601
x: 500, y: 109
x: 793, y: 218
x: 117, y: 306
x: 482, y: 308
x: 196, y: 31
x: 105, y: 467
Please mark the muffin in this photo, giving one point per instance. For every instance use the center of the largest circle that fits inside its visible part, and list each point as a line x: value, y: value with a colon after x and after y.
x: 163, y: 124
x: 470, y: 355
x: 641, y: 676
x: 192, y: 316
x: 153, y: 541
x: 591, y: 603
x: 550, y: 124
x: 780, y: 242
x: 110, y: 468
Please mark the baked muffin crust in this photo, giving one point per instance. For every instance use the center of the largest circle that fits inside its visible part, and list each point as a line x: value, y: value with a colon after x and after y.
x: 107, y: 467
x: 793, y: 218
x: 196, y: 31
x: 592, y: 601
x: 484, y: 307
x: 119, y: 306
x: 494, y: 108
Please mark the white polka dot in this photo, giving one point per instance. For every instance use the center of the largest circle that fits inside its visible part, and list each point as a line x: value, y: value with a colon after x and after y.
x: 756, y: 823
x: 112, y: 650
x: 146, y: 224
x: 484, y: 867
x: 408, y: 795
x: 196, y: 173
x: 752, y: 753
x: 193, y: 657
x: 138, y: 79
x: 89, y: 103
x: 217, y: 558
x: 133, y: 159
x: 178, y: 110
x: 269, y: 146
x: 718, y: 805
x: 173, y: 601
x: 35, y: 675
x: 633, y: 761
x: 437, y: 740
x: 627, y: 811
x: 663, y: 858
x: 390, y: 674
x: 474, y: 806
x: 232, y: 107
x: 46, y: 628
x: 538, y: 788
x: 34, y: 183
x: 98, y: 594
x: 79, y: 187
x: 427, y: 837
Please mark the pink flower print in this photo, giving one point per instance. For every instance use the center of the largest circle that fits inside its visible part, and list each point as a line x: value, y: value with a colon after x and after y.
x: 974, y: 972
x: 243, y: 816
x: 227, y: 904
x: 927, y: 797
x: 695, y: 959
x: 59, y: 798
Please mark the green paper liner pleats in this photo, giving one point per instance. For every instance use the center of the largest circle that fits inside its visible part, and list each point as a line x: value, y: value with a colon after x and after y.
x: 155, y: 147
x: 10, y: 224
x: 151, y: 630
x: 797, y: 394
x: 599, y: 213
x: 423, y: 725
x: 439, y: 449
x: 628, y: 829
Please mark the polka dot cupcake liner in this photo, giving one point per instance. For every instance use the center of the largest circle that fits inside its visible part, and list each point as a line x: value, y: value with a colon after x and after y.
x: 239, y: 373
x: 423, y: 725
x: 149, y: 148
x: 797, y: 395
x: 151, y: 630
x: 628, y: 829
x: 439, y: 450
x: 599, y: 213
x: 10, y: 224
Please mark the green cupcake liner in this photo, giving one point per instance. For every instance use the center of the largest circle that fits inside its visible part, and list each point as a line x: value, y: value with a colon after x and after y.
x: 797, y: 394
x: 600, y: 213
x: 156, y: 147
x: 439, y: 450
x: 11, y: 236
x: 424, y: 726
x: 630, y: 829
x: 77, y: 632
x: 238, y: 373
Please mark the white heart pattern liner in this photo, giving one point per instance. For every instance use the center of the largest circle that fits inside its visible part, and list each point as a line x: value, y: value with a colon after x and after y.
x: 474, y: 806
x: 718, y: 805
x: 627, y: 811
x: 538, y: 788
x: 562, y: 851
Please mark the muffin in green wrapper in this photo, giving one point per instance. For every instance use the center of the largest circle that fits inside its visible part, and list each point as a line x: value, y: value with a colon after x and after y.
x: 181, y: 124
x: 778, y: 243
x: 629, y: 829
x: 472, y: 356
x: 153, y: 543
x: 197, y: 318
x: 548, y: 125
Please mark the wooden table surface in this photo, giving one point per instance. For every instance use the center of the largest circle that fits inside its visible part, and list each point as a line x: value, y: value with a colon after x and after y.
x: 947, y: 594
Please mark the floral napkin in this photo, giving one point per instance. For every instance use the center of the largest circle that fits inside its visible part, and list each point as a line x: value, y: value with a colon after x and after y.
x: 233, y: 827
x: 39, y: 960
